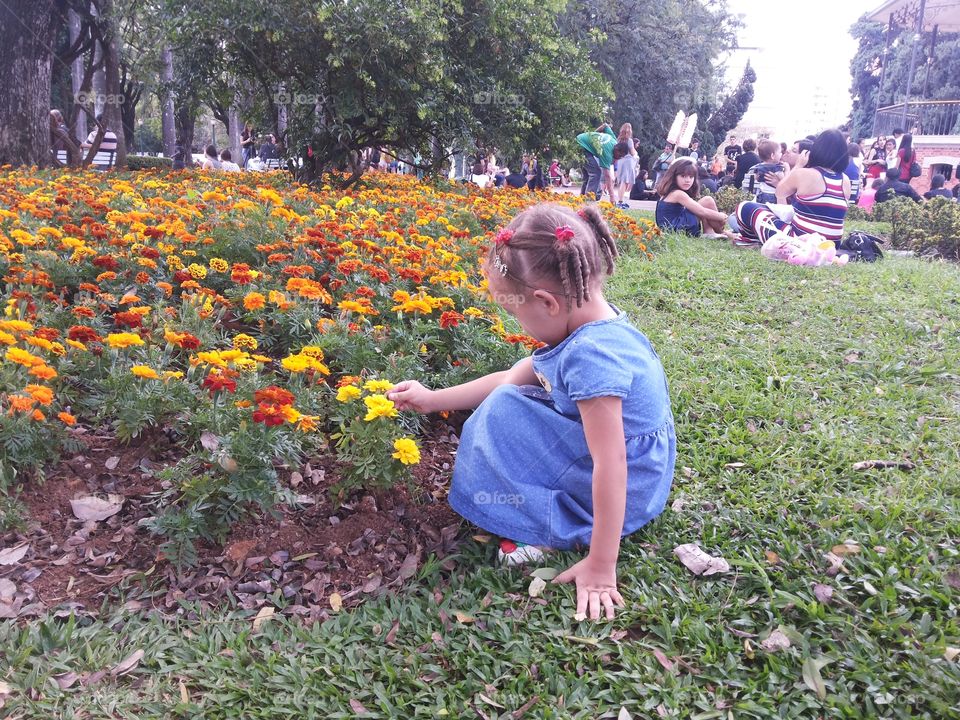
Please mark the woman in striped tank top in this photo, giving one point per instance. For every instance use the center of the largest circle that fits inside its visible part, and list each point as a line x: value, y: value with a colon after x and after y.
x: 820, y: 193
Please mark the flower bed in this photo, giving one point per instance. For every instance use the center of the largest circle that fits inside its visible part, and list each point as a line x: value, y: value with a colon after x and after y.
x: 255, y: 323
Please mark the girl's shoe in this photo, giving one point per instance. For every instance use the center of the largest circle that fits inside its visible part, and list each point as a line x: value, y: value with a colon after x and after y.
x: 513, y: 553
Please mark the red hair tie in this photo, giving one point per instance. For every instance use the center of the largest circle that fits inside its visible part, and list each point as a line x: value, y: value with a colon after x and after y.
x: 582, y: 213
x: 504, y: 236
x: 564, y: 234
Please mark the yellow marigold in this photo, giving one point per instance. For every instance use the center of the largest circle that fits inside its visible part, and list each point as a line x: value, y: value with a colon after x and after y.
x: 42, y: 372
x: 22, y: 357
x: 16, y: 326
x: 41, y: 393
x: 39, y: 342
x: 197, y: 271
x: 313, y: 351
x: 254, y: 301
x: 407, y: 451
x: 123, y: 340
x: 174, y: 262
x: 379, y: 406
x: 66, y: 418
x: 301, y: 363
x: 144, y: 371
x: 474, y: 312
x: 219, y: 265
x: 245, y: 342
x: 172, y: 374
x: 377, y: 386
x: 7, y: 339
x: 348, y: 393
x: 290, y: 414
x: 307, y: 423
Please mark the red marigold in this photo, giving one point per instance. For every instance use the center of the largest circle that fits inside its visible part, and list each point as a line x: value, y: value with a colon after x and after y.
x: 106, y: 262
x: 240, y: 274
x: 129, y: 319
x: 450, y: 319
x: 214, y: 382
x: 268, y: 414
x: 274, y: 395
x: 82, y: 333
x: 47, y: 333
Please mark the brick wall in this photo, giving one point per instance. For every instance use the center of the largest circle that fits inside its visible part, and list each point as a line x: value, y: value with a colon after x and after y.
x: 935, y: 147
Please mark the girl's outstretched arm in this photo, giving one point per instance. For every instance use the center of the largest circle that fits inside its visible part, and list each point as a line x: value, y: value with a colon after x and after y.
x: 411, y: 395
x: 596, y: 574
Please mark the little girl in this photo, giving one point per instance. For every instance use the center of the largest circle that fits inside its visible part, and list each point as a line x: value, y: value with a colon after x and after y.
x: 573, y: 446
x: 680, y: 207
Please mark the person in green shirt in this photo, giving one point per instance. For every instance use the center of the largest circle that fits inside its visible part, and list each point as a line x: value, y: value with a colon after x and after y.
x: 597, y: 160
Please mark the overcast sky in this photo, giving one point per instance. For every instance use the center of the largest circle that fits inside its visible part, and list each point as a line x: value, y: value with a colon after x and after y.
x: 802, y: 62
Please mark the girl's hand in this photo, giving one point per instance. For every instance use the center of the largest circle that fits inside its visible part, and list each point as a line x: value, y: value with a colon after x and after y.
x: 596, y: 587
x: 411, y: 395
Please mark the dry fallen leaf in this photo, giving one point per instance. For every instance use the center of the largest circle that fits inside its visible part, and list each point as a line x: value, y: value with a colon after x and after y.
x: 266, y: 612
x: 464, y: 618
x: 112, y: 462
x: 65, y: 680
x: 128, y: 663
x: 664, y: 661
x: 209, y: 440
x: 847, y: 548
x: 358, y: 707
x: 13, y: 555
x: 537, y: 586
x: 91, y: 507
x: 482, y: 538
x: 698, y: 562
x: 735, y: 465
x: 184, y: 695
x: 775, y: 641
x: 623, y: 714
x: 545, y: 573
x: 336, y: 602
x: 772, y: 557
x: 823, y: 593
x: 951, y: 653
x: 488, y: 701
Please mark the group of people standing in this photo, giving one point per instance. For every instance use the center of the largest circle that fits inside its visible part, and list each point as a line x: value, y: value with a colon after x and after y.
x: 611, y: 162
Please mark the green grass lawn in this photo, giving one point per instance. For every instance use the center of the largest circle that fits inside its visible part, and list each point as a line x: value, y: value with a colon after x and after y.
x: 782, y: 378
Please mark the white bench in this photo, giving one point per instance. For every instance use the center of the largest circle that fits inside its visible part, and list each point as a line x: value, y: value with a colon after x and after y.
x: 274, y: 164
x: 103, y: 160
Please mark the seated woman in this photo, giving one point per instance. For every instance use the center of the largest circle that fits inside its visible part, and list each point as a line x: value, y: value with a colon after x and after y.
x: 821, y: 191
x: 680, y: 208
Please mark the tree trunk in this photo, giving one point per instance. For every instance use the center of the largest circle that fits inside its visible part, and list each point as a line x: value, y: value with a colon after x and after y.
x: 27, y: 31
x: 166, y: 103
x: 76, y: 79
x: 112, y: 115
x: 233, y: 133
x: 185, y: 119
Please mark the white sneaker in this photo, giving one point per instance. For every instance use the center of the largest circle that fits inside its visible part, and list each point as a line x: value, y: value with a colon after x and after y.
x: 511, y: 554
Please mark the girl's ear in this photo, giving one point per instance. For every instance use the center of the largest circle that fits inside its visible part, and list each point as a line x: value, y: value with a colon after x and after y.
x: 549, y: 301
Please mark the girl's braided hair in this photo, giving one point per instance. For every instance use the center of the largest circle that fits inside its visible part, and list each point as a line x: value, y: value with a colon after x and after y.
x: 554, y: 242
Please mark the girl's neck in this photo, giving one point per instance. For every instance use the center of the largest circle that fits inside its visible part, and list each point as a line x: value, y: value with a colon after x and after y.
x: 597, y: 308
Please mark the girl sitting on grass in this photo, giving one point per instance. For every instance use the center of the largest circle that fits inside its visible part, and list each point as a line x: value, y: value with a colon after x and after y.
x: 680, y: 208
x: 573, y: 446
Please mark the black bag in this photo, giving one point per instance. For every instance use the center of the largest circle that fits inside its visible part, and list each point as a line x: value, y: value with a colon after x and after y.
x: 915, y: 169
x: 861, y: 247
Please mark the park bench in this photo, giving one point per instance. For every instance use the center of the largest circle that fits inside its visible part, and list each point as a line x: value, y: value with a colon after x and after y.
x: 103, y: 160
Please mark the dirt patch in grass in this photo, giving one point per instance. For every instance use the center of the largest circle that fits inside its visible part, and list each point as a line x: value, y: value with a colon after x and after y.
x: 305, y: 560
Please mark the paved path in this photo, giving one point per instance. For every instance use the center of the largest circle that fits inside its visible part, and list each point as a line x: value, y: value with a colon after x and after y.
x: 647, y: 205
